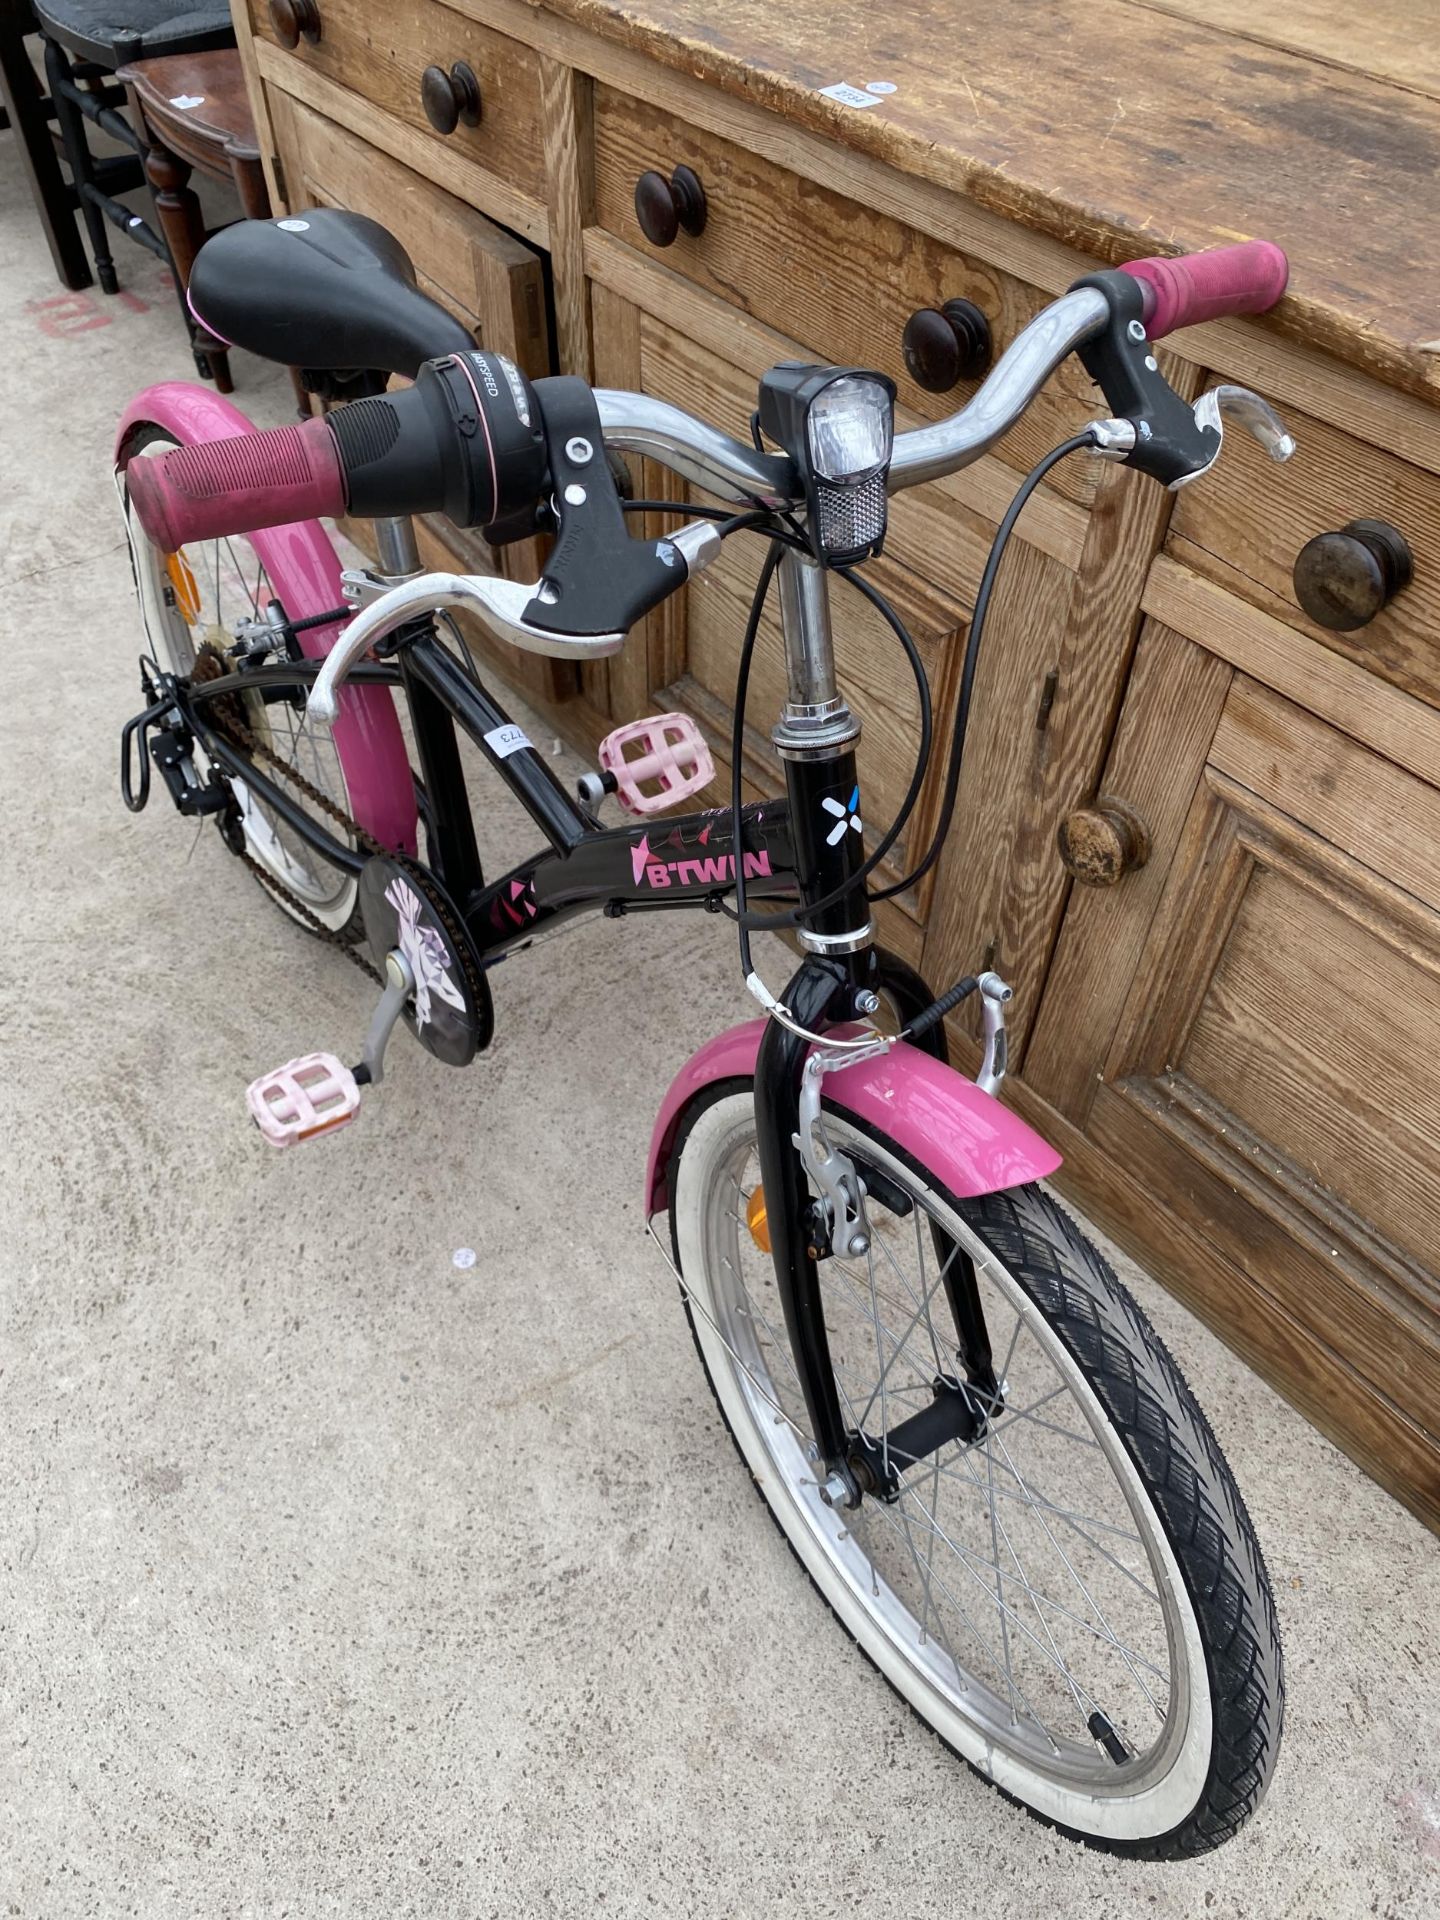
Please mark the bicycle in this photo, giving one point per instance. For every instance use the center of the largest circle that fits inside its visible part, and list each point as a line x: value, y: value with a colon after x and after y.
x: 966, y: 1429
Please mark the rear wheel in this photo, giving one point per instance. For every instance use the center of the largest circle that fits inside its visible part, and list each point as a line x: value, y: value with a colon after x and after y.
x: 1074, y: 1600
x: 191, y: 602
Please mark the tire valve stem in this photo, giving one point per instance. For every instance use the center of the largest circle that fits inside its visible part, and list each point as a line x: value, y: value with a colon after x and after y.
x: 1104, y: 1735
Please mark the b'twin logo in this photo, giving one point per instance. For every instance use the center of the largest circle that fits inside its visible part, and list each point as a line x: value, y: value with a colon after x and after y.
x: 715, y: 870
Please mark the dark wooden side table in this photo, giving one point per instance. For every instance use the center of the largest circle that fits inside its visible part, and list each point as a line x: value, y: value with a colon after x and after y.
x: 194, y: 115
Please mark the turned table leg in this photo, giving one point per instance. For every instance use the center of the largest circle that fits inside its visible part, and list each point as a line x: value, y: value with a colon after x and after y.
x: 183, y: 226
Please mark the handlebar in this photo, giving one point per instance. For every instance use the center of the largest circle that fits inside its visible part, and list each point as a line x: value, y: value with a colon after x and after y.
x: 434, y: 445
x: 220, y: 487
x: 295, y: 472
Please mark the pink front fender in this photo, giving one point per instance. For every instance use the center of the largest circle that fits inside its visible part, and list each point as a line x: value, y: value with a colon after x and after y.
x: 305, y: 574
x: 964, y: 1137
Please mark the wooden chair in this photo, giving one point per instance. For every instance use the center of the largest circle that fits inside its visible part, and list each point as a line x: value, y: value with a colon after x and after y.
x: 29, y: 112
x: 85, y: 41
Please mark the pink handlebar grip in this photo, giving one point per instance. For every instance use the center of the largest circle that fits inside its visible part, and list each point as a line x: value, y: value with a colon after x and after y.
x: 215, y: 487
x: 1249, y: 278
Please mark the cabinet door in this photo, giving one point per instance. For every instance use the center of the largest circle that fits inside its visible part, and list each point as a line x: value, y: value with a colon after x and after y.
x: 491, y: 281
x: 1261, y: 1002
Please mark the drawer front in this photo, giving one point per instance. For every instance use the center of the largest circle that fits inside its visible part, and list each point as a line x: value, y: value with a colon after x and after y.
x: 382, y: 52
x: 1244, y: 525
x: 492, y: 281
x: 824, y: 270
x: 487, y: 278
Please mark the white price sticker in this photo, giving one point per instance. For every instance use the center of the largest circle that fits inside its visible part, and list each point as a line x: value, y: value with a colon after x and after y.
x: 503, y: 741
x: 848, y: 96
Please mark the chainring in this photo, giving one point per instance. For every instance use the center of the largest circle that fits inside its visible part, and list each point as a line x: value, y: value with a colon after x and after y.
x: 404, y: 906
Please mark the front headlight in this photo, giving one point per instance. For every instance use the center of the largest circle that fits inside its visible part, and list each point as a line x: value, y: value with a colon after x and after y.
x: 850, y: 429
x: 838, y: 426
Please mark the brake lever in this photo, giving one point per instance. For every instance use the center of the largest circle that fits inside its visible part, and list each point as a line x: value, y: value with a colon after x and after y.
x: 1116, y: 439
x: 499, y: 605
x: 1152, y: 428
x: 1247, y: 410
x: 503, y: 607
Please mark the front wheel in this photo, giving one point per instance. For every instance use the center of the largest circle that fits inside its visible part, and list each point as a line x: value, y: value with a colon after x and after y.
x: 1073, y: 1599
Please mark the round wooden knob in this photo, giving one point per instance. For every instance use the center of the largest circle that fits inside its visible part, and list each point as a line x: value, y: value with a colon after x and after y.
x: 664, y: 206
x: 295, y: 20
x: 450, y: 98
x: 1344, y: 579
x: 1101, y: 844
x: 945, y: 345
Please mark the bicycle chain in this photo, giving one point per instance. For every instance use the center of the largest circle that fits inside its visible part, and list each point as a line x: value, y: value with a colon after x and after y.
x: 210, y: 664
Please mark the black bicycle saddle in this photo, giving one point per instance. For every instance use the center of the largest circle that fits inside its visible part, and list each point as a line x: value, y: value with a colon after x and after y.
x: 324, y: 289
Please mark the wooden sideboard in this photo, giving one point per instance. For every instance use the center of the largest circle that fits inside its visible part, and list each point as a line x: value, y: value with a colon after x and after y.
x: 1233, y: 1042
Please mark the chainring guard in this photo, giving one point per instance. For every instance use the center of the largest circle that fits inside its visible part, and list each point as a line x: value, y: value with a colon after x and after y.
x: 404, y: 906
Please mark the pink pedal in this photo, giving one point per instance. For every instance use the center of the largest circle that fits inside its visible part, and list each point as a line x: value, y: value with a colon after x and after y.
x: 657, y: 762
x: 303, y: 1099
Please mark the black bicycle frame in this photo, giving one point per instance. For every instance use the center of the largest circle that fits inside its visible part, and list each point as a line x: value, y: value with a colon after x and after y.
x: 805, y: 848
x: 682, y: 860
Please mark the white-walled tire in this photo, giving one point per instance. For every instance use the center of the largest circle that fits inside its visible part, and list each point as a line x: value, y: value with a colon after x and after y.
x: 1090, y: 1553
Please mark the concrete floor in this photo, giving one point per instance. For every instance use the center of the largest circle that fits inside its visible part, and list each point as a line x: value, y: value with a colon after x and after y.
x: 336, y: 1579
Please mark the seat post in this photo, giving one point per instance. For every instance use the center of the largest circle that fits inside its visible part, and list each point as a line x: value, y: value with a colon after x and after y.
x: 395, y: 544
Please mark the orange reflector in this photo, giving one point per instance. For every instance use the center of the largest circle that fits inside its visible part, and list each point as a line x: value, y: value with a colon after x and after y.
x: 756, y: 1221
x: 187, y: 594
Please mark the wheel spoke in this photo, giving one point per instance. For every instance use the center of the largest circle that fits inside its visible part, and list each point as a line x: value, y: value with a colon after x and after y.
x: 1016, y: 1571
x: 1016, y: 1690
x: 898, y: 1344
x: 1089, y: 1598
x: 967, y: 1555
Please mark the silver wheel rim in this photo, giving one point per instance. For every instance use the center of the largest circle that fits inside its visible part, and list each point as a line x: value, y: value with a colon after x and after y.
x: 916, y: 1582
x: 232, y: 584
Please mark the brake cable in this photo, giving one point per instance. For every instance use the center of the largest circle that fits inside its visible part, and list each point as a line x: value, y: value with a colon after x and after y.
x: 745, y: 922
x: 972, y: 654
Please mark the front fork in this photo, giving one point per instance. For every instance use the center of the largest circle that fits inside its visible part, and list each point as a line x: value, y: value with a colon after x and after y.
x: 823, y: 991
x: 812, y: 997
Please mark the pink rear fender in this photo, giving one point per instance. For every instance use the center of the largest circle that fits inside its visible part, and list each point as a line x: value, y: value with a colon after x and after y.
x: 964, y: 1137
x: 305, y: 573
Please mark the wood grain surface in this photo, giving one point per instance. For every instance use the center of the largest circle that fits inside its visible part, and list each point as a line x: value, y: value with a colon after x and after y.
x: 381, y: 53
x: 1244, y: 527
x: 1121, y: 128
